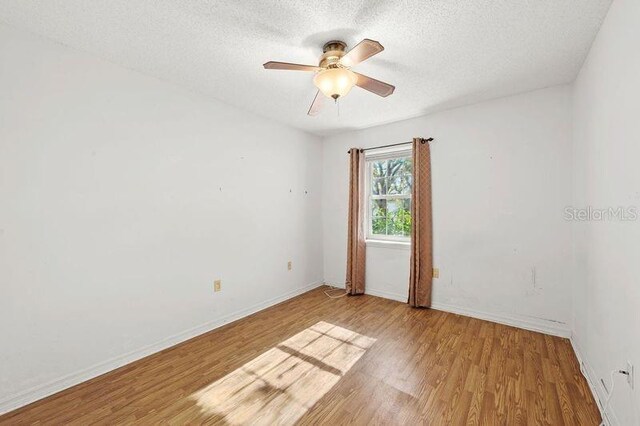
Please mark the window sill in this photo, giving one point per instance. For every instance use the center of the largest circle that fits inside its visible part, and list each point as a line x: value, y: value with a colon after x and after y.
x: 398, y: 245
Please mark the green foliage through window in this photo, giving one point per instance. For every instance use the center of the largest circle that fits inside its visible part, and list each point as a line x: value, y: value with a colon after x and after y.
x: 390, y: 185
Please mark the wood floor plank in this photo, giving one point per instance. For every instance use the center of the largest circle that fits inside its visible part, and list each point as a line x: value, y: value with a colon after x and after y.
x: 425, y: 367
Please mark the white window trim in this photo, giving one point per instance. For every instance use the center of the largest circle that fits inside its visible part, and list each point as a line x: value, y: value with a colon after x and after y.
x: 377, y: 240
x: 400, y: 245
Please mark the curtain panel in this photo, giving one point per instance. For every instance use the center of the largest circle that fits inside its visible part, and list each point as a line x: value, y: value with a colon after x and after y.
x: 355, y: 233
x: 421, y: 266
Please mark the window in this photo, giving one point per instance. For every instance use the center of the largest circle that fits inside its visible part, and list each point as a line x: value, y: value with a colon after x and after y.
x: 388, y: 192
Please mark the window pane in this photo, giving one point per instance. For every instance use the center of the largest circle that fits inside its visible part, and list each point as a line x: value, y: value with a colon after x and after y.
x: 399, y: 217
x: 399, y: 176
x: 407, y: 183
x: 379, y: 186
x: 378, y: 208
x: 379, y: 217
x: 397, y: 166
x: 379, y: 226
x: 379, y: 168
x: 408, y: 166
x: 399, y: 185
x: 407, y: 205
x: 393, y: 185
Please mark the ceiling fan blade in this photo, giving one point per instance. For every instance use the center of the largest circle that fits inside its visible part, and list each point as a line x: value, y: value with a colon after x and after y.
x: 360, y: 52
x: 378, y: 87
x: 274, y: 65
x: 317, y: 103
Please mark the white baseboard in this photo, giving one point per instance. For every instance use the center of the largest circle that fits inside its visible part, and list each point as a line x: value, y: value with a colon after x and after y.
x: 520, y: 321
x: 599, y: 393
x: 41, y: 391
x: 547, y: 327
x: 387, y: 295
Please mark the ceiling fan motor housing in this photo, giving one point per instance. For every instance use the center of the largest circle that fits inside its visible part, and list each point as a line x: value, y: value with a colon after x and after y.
x: 333, y: 51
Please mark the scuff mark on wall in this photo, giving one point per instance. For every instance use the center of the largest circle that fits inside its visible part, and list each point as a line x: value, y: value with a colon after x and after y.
x: 535, y: 288
x: 533, y: 276
x: 545, y: 319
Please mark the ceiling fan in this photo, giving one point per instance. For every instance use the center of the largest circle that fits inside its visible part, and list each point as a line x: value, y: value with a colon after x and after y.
x: 334, y: 77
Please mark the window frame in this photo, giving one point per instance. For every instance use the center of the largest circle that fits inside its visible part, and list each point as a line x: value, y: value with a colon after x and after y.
x: 369, y: 158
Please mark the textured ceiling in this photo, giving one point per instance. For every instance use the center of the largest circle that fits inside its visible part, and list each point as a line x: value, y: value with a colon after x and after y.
x: 438, y: 53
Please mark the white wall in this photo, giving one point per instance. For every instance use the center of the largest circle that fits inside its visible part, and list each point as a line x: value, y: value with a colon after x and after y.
x: 501, y: 180
x: 607, y: 174
x: 123, y: 198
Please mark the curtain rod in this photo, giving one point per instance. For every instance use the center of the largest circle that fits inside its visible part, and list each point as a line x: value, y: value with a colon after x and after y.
x: 393, y: 144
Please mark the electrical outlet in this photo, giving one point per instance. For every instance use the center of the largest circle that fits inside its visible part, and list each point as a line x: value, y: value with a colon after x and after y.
x: 436, y: 273
x: 217, y: 285
x: 630, y: 375
x: 289, y: 265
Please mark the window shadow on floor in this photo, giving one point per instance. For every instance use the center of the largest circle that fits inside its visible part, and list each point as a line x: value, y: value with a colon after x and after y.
x: 282, y: 384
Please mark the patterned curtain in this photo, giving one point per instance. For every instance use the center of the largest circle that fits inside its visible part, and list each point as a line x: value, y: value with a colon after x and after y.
x: 421, y: 272
x: 355, y: 237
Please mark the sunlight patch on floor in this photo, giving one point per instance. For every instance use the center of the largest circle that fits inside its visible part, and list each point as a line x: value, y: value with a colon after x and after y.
x: 280, y: 385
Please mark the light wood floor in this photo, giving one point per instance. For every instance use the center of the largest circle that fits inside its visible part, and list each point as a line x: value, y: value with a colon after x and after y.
x: 425, y: 367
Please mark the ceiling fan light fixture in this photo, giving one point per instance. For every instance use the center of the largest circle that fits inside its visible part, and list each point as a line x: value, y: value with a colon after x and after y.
x: 335, y: 82
x: 334, y: 78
